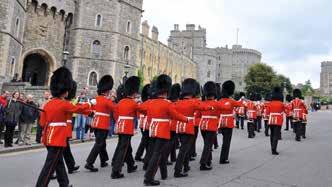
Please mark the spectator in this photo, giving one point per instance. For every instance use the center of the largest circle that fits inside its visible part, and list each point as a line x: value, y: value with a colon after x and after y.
x: 80, y: 121
x: 29, y: 116
x: 47, y: 97
x: 20, y: 122
x: 12, y: 116
x: 3, y: 103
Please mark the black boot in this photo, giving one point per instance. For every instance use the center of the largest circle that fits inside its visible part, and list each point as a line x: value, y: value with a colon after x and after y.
x: 73, y: 170
x: 205, y: 168
x: 91, y: 168
x: 274, y: 152
x: 224, y: 162
x: 151, y: 183
x: 117, y: 175
x: 139, y: 159
x: 132, y: 169
x: 104, y: 164
x: 178, y: 174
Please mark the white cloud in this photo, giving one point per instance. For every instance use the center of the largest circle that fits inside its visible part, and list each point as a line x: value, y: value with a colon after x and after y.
x: 294, y: 36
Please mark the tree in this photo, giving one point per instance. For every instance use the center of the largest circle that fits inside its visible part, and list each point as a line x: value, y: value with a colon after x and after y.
x: 260, y: 79
x: 307, y: 89
x: 140, y: 75
x: 283, y: 82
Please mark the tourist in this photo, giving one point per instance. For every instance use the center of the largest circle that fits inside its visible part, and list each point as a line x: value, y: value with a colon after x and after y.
x: 12, y: 116
x: 80, y: 121
x: 3, y: 104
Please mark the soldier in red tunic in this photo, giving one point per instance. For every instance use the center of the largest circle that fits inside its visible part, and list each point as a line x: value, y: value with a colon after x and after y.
x: 160, y: 111
x: 101, y: 123
x: 55, y: 127
x: 226, y: 121
x: 259, y: 107
x: 187, y: 106
x: 142, y: 121
x: 276, y: 108
x: 209, y: 124
x: 252, y: 116
x: 288, y: 111
x: 299, y: 114
x: 241, y: 111
x: 127, y: 110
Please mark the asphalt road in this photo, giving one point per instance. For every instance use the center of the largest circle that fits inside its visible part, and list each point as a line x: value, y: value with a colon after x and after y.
x: 306, y: 163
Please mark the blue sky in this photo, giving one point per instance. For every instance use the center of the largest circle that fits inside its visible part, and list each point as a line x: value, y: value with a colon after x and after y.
x: 293, y: 35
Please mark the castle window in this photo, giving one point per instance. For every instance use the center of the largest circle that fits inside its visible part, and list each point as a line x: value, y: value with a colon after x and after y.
x: 17, y: 27
x: 44, y: 9
x: 126, y: 54
x: 62, y: 13
x: 12, y: 66
x: 93, y: 77
x: 128, y: 29
x: 34, y: 4
x: 53, y: 11
x: 96, y: 48
x: 209, y: 62
x: 99, y: 20
x: 208, y: 74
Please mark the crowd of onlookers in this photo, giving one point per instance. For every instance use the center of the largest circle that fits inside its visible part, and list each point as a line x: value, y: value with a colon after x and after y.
x: 19, y: 117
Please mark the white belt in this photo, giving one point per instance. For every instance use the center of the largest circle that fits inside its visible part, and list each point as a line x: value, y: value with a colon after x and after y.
x: 226, y: 115
x: 126, y: 118
x: 69, y: 121
x: 251, y: 110
x: 102, y: 114
x: 209, y: 117
x: 273, y: 114
x: 190, y: 118
x: 159, y: 120
x: 297, y: 109
x: 57, y: 124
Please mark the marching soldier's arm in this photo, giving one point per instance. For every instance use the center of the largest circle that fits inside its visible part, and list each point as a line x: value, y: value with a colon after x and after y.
x: 175, y: 115
x: 237, y: 103
x: 202, y: 106
x: 70, y: 108
x: 111, y: 106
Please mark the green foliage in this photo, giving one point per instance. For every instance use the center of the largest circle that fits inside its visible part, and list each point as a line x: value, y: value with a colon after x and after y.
x: 307, y: 89
x: 261, y: 79
x: 140, y: 75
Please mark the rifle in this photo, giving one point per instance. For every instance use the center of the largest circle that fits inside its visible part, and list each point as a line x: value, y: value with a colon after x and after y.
x: 31, y: 106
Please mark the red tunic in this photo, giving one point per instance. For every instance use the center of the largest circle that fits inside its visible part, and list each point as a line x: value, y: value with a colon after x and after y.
x: 259, y: 109
x: 299, y: 109
x: 226, y: 106
x: 55, y: 120
x: 210, y: 118
x: 3, y: 101
x: 276, y: 109
x: 126, y: 111
x: 103, y: 108
x: 159, y: 112
x: 266, y: 111
x: 288, y: 110
x: 251, y: 111
x: 188, y: 107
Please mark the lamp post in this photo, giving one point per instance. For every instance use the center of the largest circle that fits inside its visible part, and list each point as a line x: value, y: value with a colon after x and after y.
x: 285, y: 88
x: 126, y: 68
x: 65, y: 57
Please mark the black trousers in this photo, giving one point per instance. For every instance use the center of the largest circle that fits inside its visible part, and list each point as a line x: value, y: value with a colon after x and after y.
x: 298, y: 129
x: 288, y: 122
x: 251, y: 129
x: 241, y: 119
x: 54, y: 162
x: 39, y: 132
x: 68, y: 156
x: 123, y: 153
x: 99, y: 148
x: 226, y: 143
x: 171, y: 151
x: 9, y: 134
x: 149, y: 151
x: 259, y: 123
x: 184, y: 152
x: 158, y: 159
x: 304, y: 129
x: 266, y: 127
x: 209, y: 139
x: 143, y: 144
x: 215, y: 142
x: 275, y: 134
x: 193, y: 148
x: 2, y: 127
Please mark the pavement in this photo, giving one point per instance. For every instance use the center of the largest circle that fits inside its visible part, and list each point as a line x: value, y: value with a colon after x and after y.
x: 307, y: 163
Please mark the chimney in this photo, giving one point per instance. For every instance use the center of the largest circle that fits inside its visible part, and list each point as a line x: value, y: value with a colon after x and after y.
x: 190, y: 27
x: 155, y: 33
x: 176, y: 27
x: 145, y: 28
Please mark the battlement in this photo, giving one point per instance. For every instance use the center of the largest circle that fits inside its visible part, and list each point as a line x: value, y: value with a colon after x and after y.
x: 326, y: 63
x: 53, y: 7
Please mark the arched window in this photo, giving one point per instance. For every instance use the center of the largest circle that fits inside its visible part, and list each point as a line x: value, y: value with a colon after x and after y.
x: 62, y: 14
x: 126, y: 54
x: 44, y: 9
x: 99, y: 20
x: 96, y: 48
x: 17, y: 27
x: 53, y: 11
x: 93, y: 77
x: 128, y: 27
x: 34, y: 4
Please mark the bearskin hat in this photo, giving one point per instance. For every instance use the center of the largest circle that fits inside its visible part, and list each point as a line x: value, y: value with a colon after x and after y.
x: 267, y: 97
x: 189, y: 87
x: 132, y: 85
x: 175, y: 92
x: 289, y: 98
x: 105, y: 84
x: 198, y: 89
x: 218, y: 91
x: 210, y: 89
x: 277, y: 94
x: 227, y: 89
x: 72, y: 92
x: 161, y: 85
x: 120, y: 93
x: 61, y: 82
x: 297, y: 93
x: 242, y: 94
x: 258, y: 97
x: 145, y: 95
x: 252, y: 97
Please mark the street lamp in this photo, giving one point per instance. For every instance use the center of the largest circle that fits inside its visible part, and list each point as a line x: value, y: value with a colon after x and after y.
x: 65, y: 57
x: 126, y: 67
